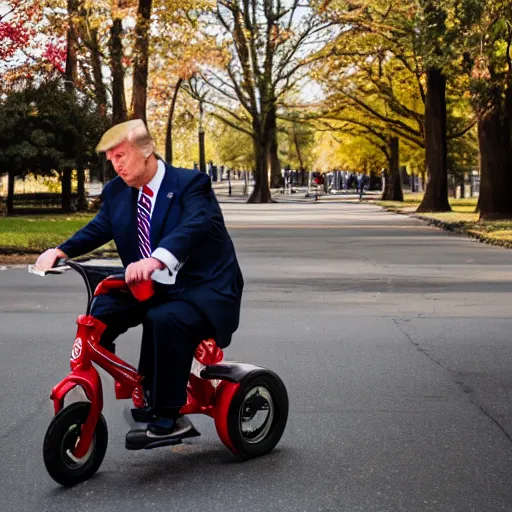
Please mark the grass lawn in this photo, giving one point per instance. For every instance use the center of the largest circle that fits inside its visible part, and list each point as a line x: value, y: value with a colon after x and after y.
x: 35, y: 233
x: 32, y: 234
x: 412, y: 201
x: 462, y: 218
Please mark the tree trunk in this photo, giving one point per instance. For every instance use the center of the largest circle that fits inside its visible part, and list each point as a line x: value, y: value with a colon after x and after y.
x: 82, y: 199
x: 299, y: 153
x: 66, y: 190
x: 494, y: 138
x: 140, y: 69
x: 10, y: 193
x: 274, y: 164
x: 99, y: 87
x: 273, y: 158
x: 261, y: 192
x: 202, y: 157
x: 72, y: 38
x: 119, y: 114
x: 70, y: 81
x: 436, y: 194
x: 393, y: 184
x: 168, y: 135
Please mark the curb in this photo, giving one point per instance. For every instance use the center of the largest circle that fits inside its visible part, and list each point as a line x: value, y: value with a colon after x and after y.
x: 457, y: 228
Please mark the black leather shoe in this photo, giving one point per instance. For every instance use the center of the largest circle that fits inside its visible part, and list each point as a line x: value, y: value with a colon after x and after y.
x: 143, y: 415
x: 160, y: 432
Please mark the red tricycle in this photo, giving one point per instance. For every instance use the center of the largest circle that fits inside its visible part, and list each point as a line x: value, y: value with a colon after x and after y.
x: 249, y: 404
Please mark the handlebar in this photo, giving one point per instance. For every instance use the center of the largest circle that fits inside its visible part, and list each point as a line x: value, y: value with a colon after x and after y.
x: 99, y: 279
x: 61, y: 265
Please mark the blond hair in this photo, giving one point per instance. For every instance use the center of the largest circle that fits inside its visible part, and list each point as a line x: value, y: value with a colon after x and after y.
x: 133, y: 131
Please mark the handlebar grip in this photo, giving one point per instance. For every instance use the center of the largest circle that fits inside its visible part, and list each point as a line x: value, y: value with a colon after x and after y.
x: 60, y: 262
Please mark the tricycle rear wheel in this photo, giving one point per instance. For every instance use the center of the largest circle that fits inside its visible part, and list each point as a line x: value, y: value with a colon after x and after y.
x: 257, y: 414
x: 61, y: 438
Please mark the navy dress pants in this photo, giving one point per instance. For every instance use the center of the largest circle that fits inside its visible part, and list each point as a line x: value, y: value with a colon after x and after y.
x: 172, y: 330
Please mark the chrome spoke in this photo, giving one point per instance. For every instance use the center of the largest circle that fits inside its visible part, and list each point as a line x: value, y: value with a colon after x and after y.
x: 256, y: 415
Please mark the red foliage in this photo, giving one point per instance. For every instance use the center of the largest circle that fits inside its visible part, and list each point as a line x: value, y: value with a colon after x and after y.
x: 13, y: 36
x: 18, y: 29
x: 17, y: 26
x: 55, y: 54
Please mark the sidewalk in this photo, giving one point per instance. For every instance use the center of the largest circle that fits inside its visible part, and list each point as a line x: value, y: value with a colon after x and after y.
x: 300, y: 194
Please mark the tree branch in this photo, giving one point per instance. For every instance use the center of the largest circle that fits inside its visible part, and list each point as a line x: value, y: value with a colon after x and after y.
x: 462, y: 132
x: 392, y: 122
x: 230, y: 123
x: 7, y: 13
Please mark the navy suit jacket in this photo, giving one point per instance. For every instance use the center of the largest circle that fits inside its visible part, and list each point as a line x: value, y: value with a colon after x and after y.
x: 188, y: 222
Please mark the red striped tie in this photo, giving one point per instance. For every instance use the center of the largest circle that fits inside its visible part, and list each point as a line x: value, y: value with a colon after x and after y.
x: 144, y: 221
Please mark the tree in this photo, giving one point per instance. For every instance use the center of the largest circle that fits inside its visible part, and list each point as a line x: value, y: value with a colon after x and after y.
x: 347, y: 151
x: 425, y: 37
x: 140, y: 68
x: 70, y: 78
x: 23, y: 55
x: 490, y: 55
x: 15, y: 30
x: 91, y: 32
x: 371, y: 94
x: 433, y: 46
x: 297, y: 141
x: 442, y: 25
x: 234, y: 148
x: 270, y: 44
x: 45, y: 129
x: 176, y: 59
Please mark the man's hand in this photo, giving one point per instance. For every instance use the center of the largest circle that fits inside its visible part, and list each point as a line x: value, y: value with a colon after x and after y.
x: 142, y: 270
x: 48, y: 258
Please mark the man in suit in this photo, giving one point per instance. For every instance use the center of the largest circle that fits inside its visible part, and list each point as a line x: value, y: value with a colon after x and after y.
x: 167, y: 226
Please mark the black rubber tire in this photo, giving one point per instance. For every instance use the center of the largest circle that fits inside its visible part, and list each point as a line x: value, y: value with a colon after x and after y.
x: 277, y: 390
x: 62, y: 434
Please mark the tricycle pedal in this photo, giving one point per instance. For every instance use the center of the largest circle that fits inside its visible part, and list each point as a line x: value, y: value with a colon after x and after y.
x: 143, y: 439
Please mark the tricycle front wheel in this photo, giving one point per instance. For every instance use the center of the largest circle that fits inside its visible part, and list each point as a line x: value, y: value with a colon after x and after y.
x: 61, y: 438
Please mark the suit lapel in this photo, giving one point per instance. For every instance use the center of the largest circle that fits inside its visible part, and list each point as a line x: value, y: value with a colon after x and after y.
x: 125, y: 224
x: 164, y: 199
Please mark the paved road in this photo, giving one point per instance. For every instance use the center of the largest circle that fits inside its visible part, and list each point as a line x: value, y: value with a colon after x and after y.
x: 393, y: 338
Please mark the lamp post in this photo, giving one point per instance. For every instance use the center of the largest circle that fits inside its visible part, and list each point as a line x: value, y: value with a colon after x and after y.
x: 202, y: 159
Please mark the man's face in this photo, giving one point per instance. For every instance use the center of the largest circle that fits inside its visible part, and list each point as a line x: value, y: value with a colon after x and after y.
x: 129, y: 163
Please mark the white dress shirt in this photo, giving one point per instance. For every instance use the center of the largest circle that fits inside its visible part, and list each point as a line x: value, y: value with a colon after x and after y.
x: 166, y: 275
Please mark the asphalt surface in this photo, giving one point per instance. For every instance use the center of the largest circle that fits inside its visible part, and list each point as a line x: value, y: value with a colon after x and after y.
x: 392, y: 337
